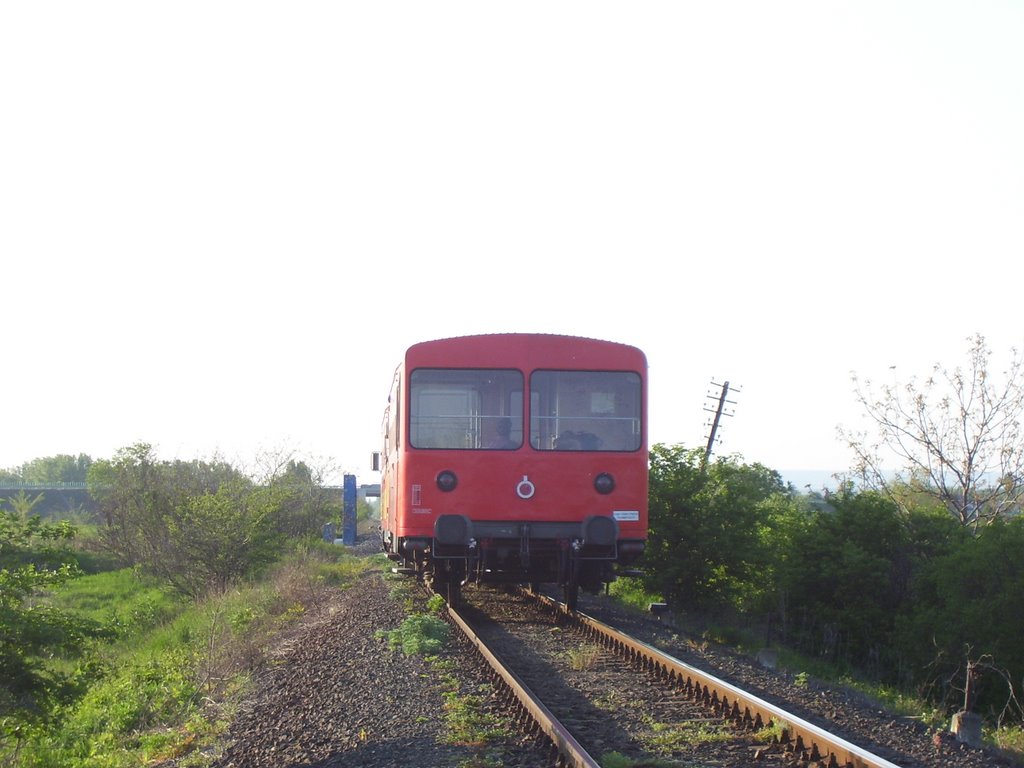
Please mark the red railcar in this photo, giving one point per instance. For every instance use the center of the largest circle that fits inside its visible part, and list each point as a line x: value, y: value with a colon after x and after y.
x: 516, y: 458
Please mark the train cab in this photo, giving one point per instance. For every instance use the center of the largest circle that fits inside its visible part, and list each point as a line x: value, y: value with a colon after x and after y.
x: 516, y: 458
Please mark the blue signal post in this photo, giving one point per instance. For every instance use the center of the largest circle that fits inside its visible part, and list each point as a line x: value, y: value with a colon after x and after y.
x: 348, y: 524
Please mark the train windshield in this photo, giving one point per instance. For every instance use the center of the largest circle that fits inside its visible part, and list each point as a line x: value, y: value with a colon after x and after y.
x: 466, y: 408
x: 585, y: 410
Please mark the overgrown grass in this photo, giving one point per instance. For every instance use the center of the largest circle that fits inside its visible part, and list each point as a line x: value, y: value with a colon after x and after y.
x: 166, y: 680
x: 92, y: 556
x: 583, y: 656
x: 666, y: 739
x: 1007, y: 739
x: 121, y: 600
x: 774, y: 732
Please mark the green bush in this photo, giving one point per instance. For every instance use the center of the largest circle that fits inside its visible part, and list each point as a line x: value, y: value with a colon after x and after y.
x: 965, y: 602
x: 634, y: 593
x: 709, y: 546
x: 420, y: 634
x: 844, y: 608
x: 35, y: 558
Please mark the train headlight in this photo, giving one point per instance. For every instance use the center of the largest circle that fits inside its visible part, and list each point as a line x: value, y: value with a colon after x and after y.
x: 446, y: 480
x: 604, y: 483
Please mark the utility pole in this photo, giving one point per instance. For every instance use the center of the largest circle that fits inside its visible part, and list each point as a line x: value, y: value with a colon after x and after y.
x: 719, y: 412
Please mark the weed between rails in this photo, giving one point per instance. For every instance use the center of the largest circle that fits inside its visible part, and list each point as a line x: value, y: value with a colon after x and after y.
x: 585, y: 656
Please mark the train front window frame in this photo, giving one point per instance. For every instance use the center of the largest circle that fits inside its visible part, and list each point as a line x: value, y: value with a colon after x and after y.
x: 585, y: 410
x: 466, y: 408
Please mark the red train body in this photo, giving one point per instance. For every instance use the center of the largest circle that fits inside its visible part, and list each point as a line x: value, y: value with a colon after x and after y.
x: 516, y: 458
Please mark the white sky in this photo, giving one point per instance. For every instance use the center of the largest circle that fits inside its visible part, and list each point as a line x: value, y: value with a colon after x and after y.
x: 221, y: 223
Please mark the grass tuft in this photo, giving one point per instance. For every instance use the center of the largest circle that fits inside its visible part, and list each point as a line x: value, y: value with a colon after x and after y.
x: 420, y: 634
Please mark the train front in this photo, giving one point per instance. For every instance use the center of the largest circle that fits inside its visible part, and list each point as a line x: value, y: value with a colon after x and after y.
x: 524, y: 460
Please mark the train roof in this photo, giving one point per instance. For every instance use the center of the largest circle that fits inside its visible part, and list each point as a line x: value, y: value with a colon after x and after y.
x: 532, y: 349
x: 520, y: 335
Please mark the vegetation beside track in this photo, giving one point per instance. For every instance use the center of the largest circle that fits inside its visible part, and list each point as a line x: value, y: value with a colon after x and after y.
x: 125, y: 642
x: 163, y: 680
x: 847, y: 585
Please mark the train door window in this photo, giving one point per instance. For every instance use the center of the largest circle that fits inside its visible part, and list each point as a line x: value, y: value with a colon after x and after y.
x: 465, y: 408
x: 585, y: 410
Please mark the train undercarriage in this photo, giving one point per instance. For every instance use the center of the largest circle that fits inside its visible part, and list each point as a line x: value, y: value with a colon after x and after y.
x: 573, y: 556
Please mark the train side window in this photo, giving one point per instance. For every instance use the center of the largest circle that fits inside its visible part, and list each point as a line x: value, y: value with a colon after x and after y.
x: 465, y: 408
x: 585, y: 410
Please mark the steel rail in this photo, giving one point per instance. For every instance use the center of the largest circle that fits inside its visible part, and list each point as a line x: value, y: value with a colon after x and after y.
x: 802, y: 737
x: 568, y: 748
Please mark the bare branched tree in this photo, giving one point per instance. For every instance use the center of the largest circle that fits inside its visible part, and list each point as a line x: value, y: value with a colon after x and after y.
x: 306, y: 500
x: 955, y: 437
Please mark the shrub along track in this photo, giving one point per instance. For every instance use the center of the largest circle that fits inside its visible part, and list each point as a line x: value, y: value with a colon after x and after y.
x: 334, y: 694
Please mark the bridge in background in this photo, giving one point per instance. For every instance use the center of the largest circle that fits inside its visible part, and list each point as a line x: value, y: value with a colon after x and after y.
x: 371, y: 490
x: 10, y: 485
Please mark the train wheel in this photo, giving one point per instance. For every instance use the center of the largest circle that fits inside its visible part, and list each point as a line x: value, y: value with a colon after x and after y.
x: 452, y: 585
x: 454, y: 593
x: 571, y: 588
x: 571, y: 595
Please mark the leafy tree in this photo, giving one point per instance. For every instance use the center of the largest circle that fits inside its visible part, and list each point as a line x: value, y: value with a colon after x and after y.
x: 957, y: 436
x: 306, y: 501
x: 220, y: 536
x: 709, y: 542
x: 133, y: 495
x: 197, y: 525
x: 62, y: 468
x: 33, y: 558
x: 847, y: 575
x: 23, y: 505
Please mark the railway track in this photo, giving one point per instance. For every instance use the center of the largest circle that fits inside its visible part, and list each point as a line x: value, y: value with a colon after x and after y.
x: 335, y: 695
x: 596, y: 693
